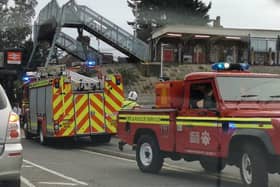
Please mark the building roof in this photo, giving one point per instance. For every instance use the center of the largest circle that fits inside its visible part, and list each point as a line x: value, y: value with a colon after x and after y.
x: 217, y: 31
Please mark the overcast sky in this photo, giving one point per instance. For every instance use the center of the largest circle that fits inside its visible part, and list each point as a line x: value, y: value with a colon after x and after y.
x: 234, y: 13
x: 263, y: 14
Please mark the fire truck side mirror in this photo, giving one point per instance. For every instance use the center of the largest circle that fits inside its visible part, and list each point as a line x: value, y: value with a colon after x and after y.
x: 215, y: 111
x: 56, y: 83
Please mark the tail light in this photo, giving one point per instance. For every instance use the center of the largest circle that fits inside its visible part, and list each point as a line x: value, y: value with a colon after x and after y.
x: 13, y: 129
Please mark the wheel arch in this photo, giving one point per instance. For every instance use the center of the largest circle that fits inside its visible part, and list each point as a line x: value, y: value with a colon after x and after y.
x: 143, y: 131
x: 257, y: 137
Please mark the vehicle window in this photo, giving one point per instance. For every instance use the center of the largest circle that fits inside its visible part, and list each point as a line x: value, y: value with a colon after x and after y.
x: 249, y: 88
x: 201, y: 96
x: 3, y: 102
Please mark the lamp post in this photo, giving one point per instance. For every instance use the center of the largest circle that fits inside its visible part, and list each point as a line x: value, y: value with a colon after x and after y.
x: 161, y: 60
x: 136, y: 2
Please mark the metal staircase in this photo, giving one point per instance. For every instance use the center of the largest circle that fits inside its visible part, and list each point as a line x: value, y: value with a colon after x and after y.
x: 74, y: 47
x: 82, y: 17
x: 74, y: 15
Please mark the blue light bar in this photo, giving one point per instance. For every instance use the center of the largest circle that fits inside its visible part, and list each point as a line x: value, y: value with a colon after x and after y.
x: 25, y: 78
x: 221, y: 66
x: 244, y: 66
x: 91, y: 63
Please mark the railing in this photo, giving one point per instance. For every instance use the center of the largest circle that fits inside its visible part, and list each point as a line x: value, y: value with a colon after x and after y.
x: 74, y: 14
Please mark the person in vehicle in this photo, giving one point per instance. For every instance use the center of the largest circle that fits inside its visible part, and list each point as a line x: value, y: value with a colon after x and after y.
x: 131, y: 103
x: 202, y: 97
x: 208, y: 100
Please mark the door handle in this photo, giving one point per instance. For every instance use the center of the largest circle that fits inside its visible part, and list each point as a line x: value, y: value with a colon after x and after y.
x: 225, y: 126
x: 189, y: 126
x: 202, y: 113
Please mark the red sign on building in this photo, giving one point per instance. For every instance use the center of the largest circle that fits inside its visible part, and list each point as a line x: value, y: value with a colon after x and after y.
x: 14, y: 57
x: 168, y: 55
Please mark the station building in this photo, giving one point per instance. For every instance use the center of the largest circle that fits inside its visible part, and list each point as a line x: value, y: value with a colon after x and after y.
x: 208, y: 44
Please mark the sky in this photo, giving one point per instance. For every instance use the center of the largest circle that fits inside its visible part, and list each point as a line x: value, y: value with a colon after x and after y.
x: 262, y: 14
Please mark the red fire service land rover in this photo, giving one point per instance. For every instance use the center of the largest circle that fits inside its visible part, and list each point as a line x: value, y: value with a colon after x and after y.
x: 228, y: 116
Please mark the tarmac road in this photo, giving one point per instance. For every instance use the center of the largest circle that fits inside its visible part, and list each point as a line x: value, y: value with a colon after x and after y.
x: 84, y: 164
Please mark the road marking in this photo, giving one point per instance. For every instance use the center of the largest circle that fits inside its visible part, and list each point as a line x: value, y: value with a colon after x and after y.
x: 108, y: 156
x: 58, y: 183
x: 26, y: 166
x: 213, y: 175
x: 56, y: 173
x: 26, y: 182
x: 172, y: 167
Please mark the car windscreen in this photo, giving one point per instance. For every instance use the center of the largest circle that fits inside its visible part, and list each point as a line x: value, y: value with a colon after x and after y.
x: 3, y: 101
x: 249, y: 88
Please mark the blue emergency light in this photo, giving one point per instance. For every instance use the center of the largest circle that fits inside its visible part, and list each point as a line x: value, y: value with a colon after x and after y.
x: 221, y: 66
x: 91, y: 63
x: 26, y: 79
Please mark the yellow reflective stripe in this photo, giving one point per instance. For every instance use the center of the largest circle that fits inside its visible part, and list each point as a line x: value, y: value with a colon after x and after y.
x: 112, y: 103
x: 111, y: 127
x: 198, y: 118
x: 69, y: 129
x: 40, y: 83
x: 237, y: 122
x: 146, y: 122
x: 246, y: 119
x: 145, y: 119
x: 82, y: 115
x: 226, y: 119
x: 98, y: 115
x: 199, y: 124
x: 115, y: 93
x: 250, y: 126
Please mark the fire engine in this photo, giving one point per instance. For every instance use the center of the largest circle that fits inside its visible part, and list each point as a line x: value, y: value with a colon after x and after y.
x: 68, y: 104
x: 227, y: 116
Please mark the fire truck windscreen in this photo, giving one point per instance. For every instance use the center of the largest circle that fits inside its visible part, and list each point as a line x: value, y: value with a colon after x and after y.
x: 249, y: 88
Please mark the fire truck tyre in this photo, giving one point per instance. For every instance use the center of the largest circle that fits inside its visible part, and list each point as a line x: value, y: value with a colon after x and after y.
x: 12, y: 183
x: 101, y: 138
x: 212, y: 165
x: 43, y: 140
x: 27, y: 134
x: 148, y: 154
x: 253, y: 167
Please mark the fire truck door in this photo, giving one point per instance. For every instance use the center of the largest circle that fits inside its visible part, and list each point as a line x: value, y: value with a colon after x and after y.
x: 68, y: 122
x: 114, y: 97
x: 96, y: 112
x: 81, y: 106
x: 197, y: 130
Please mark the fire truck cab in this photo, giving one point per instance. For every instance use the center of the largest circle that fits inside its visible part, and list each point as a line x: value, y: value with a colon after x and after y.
x: 228, y: 116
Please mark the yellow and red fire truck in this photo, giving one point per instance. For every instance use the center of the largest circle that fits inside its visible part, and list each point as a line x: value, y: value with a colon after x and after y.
x: 228, y: 116
x: 59, y: 107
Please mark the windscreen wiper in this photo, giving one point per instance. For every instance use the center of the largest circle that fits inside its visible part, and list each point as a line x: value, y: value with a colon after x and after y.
x: 275, y: 96
x: 249, y: 95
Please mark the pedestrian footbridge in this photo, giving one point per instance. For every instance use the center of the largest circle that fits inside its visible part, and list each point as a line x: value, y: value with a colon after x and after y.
x: 52, y: 18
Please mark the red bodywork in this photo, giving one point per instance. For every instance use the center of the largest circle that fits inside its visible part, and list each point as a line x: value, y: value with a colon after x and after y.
x: 200, y: 140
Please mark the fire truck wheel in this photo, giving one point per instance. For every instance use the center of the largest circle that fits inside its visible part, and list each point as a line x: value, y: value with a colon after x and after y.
x: 212, y: 165
x: 102, y: 138
x: 253, y: 167
x: 12, y: 183
x: 27, y: 134
x: 148, y: 154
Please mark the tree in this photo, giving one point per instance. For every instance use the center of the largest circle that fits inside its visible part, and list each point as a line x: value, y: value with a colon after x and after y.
x: 15, y: 22
x: 152, y: 14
